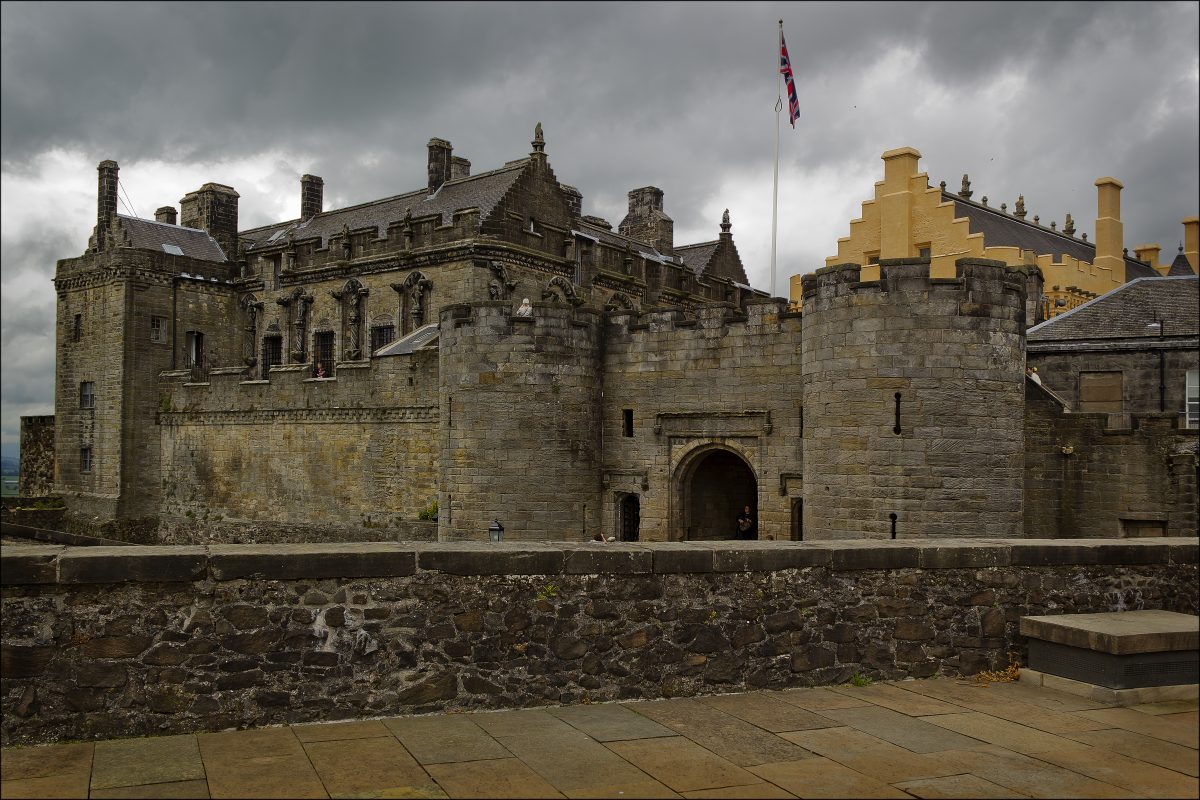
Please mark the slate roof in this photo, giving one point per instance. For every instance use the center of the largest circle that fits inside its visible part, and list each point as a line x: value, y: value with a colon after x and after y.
x: 1180, y: 266
x: 1004, y: 230
x: 1125, y: 312
x: 697, y: 257
x: 483, y: 191
x: 619, y: 240
x: 178, y: 240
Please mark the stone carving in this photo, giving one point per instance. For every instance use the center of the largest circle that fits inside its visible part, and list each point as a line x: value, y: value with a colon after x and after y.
x: 1069, y: 225
x: 347, y: 246
x: 539, y: 141
x: 526, y: 310
x: 1020, y: 209
x: 415, y: 292
x: 965, y: 192
x: 619, y: 302
x: 350, y: 299
x: 408, y: 229
x: 502, y: 284
x: 726, y: 226
x: 251, y: 309
x: 297, y: 303
x: 560, y: 290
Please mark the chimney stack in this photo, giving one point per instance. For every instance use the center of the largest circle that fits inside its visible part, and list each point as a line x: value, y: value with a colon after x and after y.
x: 1109, y: 232
x: 1191, y: 242
x: 312, y: 196
x: 459, y: 168
x: 165, y: 215
x: 440, y: 159
x: 895, y: 199
x: 574, y: 199
x: 106, y: 201
x: 1148, y: 253
x: 213, y: 208
x: 647, y: 222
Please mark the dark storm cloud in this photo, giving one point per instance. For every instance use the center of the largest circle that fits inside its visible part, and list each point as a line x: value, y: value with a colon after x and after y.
x: 1036, y: 99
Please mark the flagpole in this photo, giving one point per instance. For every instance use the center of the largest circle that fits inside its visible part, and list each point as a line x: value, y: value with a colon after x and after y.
x: 775, y: 190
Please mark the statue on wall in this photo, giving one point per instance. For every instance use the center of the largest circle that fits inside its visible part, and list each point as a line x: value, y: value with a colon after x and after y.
x: 350, y: 298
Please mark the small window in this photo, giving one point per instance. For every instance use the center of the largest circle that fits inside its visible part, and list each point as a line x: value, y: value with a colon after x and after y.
x: 627, y: 421
x: 924, y: 251
x: 381, y: 335
x: 85, y: 459
x: 873, y: 259
x: 87, y: 394
x: 323, y: 355
x: 77, y: 330
x: 272, y: 353
x: 156, y: 329
x: 1192, y: 408
x: 1101, y: 391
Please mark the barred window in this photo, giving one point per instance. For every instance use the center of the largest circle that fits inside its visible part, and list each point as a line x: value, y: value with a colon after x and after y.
x: 381, y: 335
x: 272, y: 353
x: 87, y: 394
x: 323, y: 357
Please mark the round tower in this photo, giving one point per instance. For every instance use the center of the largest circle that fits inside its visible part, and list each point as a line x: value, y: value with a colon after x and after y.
x: 520, y: 406
x: 914, y: 401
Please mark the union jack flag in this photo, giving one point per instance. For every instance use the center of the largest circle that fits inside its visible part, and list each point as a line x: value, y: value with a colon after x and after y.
x: 785, y: 67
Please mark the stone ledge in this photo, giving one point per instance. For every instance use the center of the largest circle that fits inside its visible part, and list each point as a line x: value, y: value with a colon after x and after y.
x: 1117, y: 633
x: 382, y: 559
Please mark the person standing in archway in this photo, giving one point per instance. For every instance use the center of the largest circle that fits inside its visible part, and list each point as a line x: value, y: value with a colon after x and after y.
x: 747, y: 528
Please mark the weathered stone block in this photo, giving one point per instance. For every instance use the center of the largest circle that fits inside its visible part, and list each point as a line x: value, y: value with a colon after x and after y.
x: 135, y: 563
x: 332, y: 560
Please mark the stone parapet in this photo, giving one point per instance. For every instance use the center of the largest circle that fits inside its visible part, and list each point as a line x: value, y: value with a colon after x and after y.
x: 101, y: 642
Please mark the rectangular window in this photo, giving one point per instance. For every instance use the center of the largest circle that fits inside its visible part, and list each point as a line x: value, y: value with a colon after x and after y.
x: 77, y: 330
x: 87, y: 394
x: 194, y: 349
x: 156, y: 329
x: 924, y: 251
x: 627, y: 415
x: 85, y: 459
x: 323, y: 354
x: 1101, y: 391
x: 276, y: 268
x: 1192, y: 409
x: 873, y: 259
x: 272, y: 353
x: 381, y: 335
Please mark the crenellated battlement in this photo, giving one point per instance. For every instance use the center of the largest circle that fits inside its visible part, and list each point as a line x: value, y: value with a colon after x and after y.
x: 758, y: 315
x: 983, y: 281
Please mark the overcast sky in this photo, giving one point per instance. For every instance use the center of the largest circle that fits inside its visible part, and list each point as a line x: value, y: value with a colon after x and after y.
x: 1037, y: 99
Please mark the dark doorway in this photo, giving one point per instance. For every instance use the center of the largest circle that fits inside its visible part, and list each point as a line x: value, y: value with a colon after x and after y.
x: 716, y: 489
x: 797, y: 519
x: 631, y: 517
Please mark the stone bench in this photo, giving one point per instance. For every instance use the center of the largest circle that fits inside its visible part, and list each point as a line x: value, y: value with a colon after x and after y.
x: 1118, y: 652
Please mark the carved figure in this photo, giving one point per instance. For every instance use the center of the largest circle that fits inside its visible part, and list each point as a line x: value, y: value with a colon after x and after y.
x: 1020, y: 210
x: 965, y: 191
x: 526, y: 310
x: 347, y: 247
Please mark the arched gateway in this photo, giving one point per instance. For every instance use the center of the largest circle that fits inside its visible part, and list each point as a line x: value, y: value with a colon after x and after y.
x: 713, y: 486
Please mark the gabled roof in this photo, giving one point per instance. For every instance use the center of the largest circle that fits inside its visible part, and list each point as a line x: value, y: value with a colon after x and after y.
x: 1005, y: 230
x: 620, y: 240
x: 175, y: 239
x: 1180, y: 266
x: 1125, y: 312
x: 483, y: 191
x: 697, y: 257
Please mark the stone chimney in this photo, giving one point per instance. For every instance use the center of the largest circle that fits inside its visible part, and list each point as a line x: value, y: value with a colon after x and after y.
x: 106, y: 202
x: 459, y: 168
x: 647, y: 222
x: 895, y: 199
x: 312, y: 196
x: 213, y: 208
x: 165, y: 215
x: 1191, y: 242
x: 574, y: 199
x: 440, y: 159
x: 1149, y: 254
x: 1109, y: 232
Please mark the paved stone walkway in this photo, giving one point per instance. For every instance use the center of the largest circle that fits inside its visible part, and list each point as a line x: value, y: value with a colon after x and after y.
x: 931, y: 738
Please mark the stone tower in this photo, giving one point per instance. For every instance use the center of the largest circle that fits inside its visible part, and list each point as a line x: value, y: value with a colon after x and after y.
x: 914, y: 401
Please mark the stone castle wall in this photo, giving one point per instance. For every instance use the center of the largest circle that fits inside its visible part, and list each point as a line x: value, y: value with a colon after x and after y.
x: 718, y: 380
x: 37, y: 456
x: 519, y: 401
x: 913, y: 401
x: 103, y: 642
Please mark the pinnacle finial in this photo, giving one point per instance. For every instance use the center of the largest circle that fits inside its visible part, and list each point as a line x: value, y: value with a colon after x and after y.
x: 1069, y: 225
x: 1020, y: 209
x: 539, y: 142
x: 725, y: 224
x: 965, y: 192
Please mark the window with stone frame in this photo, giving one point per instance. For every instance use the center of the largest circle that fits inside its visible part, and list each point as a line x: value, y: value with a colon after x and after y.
x: 381, y: 335
x: 1101, y: 392
x: 77, y: 328
x: 87, y: 394
x: 1191, y: 410
x: 194, y: 349
x: 323, y: 354
x: 156, y: 329
x: 272, y: 353
x: 85, y: 459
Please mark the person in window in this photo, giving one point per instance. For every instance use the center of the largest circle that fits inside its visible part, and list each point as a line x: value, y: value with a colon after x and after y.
x: 746, y: 527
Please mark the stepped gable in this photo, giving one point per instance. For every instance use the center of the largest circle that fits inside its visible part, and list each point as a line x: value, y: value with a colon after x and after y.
x: 1001, y: 229
x: 483, y: 191
x: 1125, y: 312
x: 697, y: 257
x: 175, y: 239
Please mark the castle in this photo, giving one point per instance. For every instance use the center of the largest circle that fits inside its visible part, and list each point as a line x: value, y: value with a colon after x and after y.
x: 351, y: 374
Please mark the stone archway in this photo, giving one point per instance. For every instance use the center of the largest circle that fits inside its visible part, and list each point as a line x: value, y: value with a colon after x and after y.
x: 713, y: 487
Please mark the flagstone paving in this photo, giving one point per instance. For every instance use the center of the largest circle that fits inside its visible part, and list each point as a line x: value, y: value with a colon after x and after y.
x: 933, y: 738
